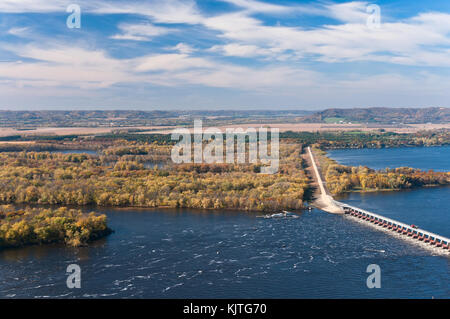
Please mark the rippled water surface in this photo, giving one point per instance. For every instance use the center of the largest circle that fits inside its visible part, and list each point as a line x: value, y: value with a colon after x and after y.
x: 177, y: 254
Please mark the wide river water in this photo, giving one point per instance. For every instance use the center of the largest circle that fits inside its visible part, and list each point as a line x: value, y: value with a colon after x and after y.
x: 208, y: 254
x: 424, y: 158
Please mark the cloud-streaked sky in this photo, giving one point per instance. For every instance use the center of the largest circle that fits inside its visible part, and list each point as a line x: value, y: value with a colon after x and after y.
x: 224, y: 54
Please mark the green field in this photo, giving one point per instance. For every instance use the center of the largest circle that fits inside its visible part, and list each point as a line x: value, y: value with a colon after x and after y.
x: 334, y: 120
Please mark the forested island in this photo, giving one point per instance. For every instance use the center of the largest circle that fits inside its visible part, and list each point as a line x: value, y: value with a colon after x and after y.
x: 121, y: 177
x: 20, y: 227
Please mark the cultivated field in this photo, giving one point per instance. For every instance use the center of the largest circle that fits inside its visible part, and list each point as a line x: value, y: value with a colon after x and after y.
x: 296, y: 127
x: 61, y: 131
x: 314, y: 127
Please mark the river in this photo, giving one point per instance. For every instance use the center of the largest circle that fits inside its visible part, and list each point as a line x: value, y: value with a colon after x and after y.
x: 424, y: 158
x: 223, y: 254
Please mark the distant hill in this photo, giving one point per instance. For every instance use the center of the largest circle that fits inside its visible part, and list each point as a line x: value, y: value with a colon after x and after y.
x: 119, y: 118
x: 26, y: 120
x: 382, y: 115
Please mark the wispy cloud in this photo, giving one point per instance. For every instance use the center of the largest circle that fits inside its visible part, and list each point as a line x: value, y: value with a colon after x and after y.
x: 243, y: 50
x: 255, y: 46
x: 161, y: 11
x: 419, y: 40
x: 18, y: 32
x: 33, y: 6
x: 140, y: 32
x: 68, y: 67
x: 406, y: 41
x: 64, y: 66
x: 183, y: 48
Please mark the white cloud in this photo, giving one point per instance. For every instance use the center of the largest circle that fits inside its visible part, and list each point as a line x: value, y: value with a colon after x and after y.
x: 183, y: 48
x: 415, y: 41
x: 36, y: 6
x: 161, y: 11
x: 64, y: 66
x: 18, y: 32
x: 350, y: 12
x: 171, y: 62
x: 241, y: 50
x: 253, y: 6
x: 140, y: 32
x: 258, y: 6
x: 244, y: 78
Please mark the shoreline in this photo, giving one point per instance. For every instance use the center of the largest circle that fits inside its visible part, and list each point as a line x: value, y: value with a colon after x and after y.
x: 375, y: 190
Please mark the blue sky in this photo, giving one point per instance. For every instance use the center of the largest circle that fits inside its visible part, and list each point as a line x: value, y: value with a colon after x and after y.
x: 224, y: 54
